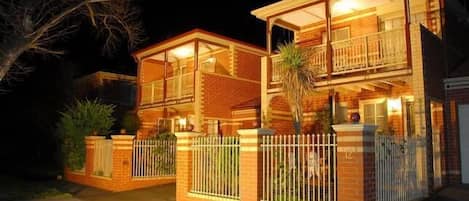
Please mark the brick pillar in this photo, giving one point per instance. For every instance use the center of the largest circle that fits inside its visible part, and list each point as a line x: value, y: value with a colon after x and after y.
x: 121, y: 161
x: 184, y: 164
x: 90, y: 141
x: 355, y: 162
x: 250, y: 163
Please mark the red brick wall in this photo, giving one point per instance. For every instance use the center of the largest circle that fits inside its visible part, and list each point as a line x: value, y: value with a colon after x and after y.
x: 318, y: 102
x: 151, y: 70
x: 453, y: 164
x: 221, y: 93
x: 248, y: 65
x: 121, y: 179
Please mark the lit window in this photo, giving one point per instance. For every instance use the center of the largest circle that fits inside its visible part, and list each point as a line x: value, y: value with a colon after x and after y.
x: 213, y: 127
x: 338, y: 34
x: 376, y: 113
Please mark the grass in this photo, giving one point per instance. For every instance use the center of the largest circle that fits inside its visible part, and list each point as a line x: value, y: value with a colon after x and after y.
x: 12, y: 188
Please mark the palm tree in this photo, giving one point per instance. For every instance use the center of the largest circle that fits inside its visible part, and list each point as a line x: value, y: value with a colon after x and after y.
x: 296, y: 78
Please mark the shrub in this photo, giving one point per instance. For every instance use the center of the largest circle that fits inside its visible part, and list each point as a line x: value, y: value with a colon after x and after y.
x: 79, y: 120
x: 130, y: 122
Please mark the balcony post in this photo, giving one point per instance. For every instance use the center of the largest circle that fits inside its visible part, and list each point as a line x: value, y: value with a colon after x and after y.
x: 165, y: 84
x: 366, y: 52
x: 328, y: 40
x: 269, y: 36
x: 196, y: 64
x: 407, y: 33
x: 152, y: 92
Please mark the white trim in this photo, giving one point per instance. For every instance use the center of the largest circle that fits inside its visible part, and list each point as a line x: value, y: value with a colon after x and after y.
x: 244, y: 111
x: 231, y: 77
x: 367, y: 149
x: 256, y: 131
x: 456, y: 83
x: 354, y: 127
x: 355, y: 138
x: 122, y: 137
x: 187, y: 134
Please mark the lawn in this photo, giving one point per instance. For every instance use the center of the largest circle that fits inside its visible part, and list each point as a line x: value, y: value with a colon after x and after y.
x: 12, y: 188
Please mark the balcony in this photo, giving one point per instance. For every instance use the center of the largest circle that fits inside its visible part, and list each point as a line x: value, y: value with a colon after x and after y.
x: 373, y: 53
x: 177, y: 88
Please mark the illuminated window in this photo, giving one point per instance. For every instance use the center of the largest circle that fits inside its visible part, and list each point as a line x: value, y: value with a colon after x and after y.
x: 376, y: 113
x: 213, y: 127
x: 338, y: 34
x: 164, y: 125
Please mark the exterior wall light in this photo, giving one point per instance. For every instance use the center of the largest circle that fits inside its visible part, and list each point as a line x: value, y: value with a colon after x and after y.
x: 394, y: 105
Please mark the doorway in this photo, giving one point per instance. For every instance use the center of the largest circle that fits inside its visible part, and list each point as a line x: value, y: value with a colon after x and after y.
x: 464, y: 141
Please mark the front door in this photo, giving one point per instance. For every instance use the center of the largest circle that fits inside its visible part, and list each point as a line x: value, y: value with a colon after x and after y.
x: 464, y: 141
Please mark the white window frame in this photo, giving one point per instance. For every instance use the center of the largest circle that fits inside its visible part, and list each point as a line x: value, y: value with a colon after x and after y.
x: 362, y: 104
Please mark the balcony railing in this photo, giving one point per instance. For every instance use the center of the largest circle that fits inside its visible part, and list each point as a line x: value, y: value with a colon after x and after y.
x: 177, y: 87
x: 382, y: 50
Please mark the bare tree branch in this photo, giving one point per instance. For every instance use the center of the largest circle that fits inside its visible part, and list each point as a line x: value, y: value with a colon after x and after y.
x: 34, y: 26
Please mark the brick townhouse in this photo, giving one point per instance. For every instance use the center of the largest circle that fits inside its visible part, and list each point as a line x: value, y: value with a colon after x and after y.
x: 198, y: 80
x: 372, y: 59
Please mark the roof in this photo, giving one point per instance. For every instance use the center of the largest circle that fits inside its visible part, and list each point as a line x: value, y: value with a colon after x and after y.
x: 253, y: 103
x: 196, y: 34
x: 280, y: 7
x: 108, y: 75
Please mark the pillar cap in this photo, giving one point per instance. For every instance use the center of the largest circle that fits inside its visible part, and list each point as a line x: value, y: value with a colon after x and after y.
x: 256, y: 131
x: 187, y: 134
x: 122, y: 137
x: 95, y: 137
x: 354, y: 128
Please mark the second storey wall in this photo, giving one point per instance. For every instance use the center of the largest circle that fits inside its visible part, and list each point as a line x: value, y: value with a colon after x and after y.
x: 248, y: 65
x: 358, y: 27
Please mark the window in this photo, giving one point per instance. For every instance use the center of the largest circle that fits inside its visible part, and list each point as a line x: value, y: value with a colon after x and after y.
x: 213, y: 127
x: 387, y: 24
x: 165, y: 125
x: 338, y: 34
x: 341, y: 113
x: 376, y: 113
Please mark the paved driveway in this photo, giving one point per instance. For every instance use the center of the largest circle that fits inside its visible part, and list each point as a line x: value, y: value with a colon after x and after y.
x: 157, y: 193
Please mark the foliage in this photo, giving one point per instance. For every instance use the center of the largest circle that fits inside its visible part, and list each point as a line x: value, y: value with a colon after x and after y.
x: 165, y: 142
x: 296, y: 78
x: 130, y: 122
x: 79, y: 120
x: 165, y: 136
x: 323, y: 118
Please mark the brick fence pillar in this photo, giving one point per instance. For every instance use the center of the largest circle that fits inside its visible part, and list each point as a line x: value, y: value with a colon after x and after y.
x: 355, y: 162
x: 90, y: 142
x: 121, y: 160
x: 184, y: 164
x: 250, y: 163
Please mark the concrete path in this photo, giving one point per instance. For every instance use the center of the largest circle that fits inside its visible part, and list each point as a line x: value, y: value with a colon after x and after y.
x: 452, y: 193
x: 157, y: 193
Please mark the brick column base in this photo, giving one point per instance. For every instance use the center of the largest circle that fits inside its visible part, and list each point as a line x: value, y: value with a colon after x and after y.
x: 355, y: 162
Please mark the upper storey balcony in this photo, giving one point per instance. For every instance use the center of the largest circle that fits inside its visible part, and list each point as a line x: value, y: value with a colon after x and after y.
x: 349, y: 41
x: 173, y: 72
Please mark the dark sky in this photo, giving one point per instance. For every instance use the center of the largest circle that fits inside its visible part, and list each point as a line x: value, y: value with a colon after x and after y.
x: 162, y: 21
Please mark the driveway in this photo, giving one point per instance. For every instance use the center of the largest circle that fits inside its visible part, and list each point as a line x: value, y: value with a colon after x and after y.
x: 452, y: 193
x: 156, y: 193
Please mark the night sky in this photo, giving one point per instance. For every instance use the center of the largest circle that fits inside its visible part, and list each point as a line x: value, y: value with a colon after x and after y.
x: 162, y: 21
x: 31, y: 109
